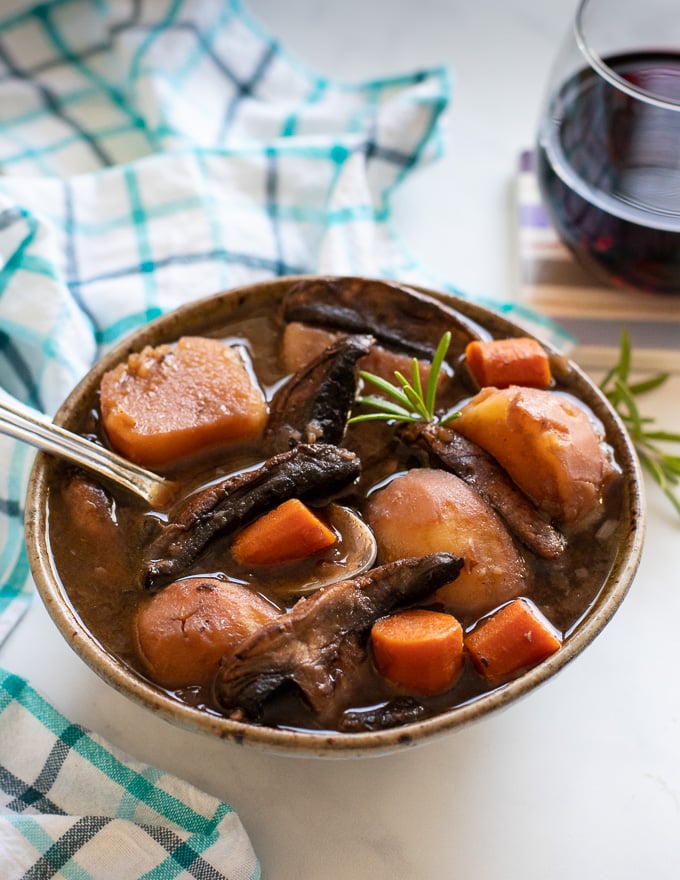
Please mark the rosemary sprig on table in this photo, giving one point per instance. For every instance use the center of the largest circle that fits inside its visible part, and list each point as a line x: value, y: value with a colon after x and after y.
x: 406, y: 401
x: 663, y: 467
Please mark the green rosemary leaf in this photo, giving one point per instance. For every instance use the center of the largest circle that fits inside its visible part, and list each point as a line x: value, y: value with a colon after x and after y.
x: 416, y: 381
x: 659, y: 474
x: 607, y: 378
x: 624, y: 357
x: 648, y: 384
x: 415, y: 401
x: 669, y: 464
x: 386, y: 387
x: 394, y: 409
x: 674, y: 501
x: 382, y: 417
x: 655, y: 470
x: 435, y: 370
x: 451, y: 417
x: 663, y: 467
x: 668, y: 436
x: 409, y: 402
x: 627, y: 399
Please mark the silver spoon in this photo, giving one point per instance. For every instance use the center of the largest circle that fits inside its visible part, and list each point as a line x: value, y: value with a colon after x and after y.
x: 24, y: 423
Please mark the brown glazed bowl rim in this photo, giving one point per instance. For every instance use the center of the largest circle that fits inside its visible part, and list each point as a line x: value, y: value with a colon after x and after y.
x: 197, y: 317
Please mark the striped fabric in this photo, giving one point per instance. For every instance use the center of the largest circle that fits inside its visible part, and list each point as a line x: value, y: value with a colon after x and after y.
x: 73, y: 807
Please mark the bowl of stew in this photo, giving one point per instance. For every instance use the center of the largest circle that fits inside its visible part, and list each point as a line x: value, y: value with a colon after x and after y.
x: 500, y: 493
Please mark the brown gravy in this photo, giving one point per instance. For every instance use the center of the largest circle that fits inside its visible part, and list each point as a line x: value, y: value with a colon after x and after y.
x: 96, y: 538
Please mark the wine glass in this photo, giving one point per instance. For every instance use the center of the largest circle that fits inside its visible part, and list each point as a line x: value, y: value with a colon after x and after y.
x: 608, y: 149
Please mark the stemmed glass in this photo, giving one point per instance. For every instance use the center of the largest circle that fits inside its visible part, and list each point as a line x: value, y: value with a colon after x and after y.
x: 608, y: 148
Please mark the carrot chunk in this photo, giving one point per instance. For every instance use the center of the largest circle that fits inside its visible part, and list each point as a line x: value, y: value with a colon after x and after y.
x: 419, y: 650
x: 513, y: 639
x: 290, y: 531
x: 504, y: 362
x: 167, y: 402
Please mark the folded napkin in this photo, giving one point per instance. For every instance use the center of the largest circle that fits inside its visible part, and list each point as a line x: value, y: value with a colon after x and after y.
x: 72, y: 806
x: 153, y: 152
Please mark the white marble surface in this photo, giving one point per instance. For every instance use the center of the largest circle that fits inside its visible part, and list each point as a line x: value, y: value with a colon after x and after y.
x: 582, y: 778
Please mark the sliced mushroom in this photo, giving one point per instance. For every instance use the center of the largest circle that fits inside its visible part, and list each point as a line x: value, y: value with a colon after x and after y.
x: 479, y: 470
x: 393, y: 713
x: 323, y: 634
x: 397, y: 316
x: 315, y: 472
x: 314, y: 404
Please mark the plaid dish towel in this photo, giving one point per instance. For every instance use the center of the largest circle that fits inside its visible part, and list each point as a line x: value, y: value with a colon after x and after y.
x: 92, y: 813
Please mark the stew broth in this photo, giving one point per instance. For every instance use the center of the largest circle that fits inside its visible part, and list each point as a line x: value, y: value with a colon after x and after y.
x: 97, y: 534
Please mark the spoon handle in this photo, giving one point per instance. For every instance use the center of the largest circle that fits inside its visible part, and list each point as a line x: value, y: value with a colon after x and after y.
x: 30, y: 426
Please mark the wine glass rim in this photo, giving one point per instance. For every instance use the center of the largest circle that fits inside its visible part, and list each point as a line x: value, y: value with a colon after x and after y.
x: 601, y: 67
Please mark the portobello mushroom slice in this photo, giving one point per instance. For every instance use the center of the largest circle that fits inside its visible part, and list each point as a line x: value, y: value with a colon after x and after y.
x: 393, y: 713
x: 314, y: 404
x: 398, y: 317
x: 318, y: 644
x: 311, y: 472
x: 482, y: 472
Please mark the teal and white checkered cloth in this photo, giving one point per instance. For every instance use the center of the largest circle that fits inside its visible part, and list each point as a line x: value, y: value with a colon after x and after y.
x: 71, y: 806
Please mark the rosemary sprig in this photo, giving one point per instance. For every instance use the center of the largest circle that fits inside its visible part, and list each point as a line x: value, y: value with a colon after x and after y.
x: 663, y: 467
x: 406, y: 401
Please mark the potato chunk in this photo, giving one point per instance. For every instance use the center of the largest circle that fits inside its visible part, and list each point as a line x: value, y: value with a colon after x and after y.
x: 173, y: 400
x: 182, y: 632
x: 303, y: 342
x: 547, y: 443
x: 426, y: 511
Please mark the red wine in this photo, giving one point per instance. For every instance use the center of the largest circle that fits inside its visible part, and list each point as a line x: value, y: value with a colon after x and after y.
x: 608, y: 168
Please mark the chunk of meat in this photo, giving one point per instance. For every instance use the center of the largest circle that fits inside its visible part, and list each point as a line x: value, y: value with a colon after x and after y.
x: 167, y: 402
x: 427, y: 510
x: 549, y: 445
x: 326, y: 633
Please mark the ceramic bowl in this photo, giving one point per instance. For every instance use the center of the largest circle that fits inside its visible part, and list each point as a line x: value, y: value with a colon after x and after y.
x: 198, y: 317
